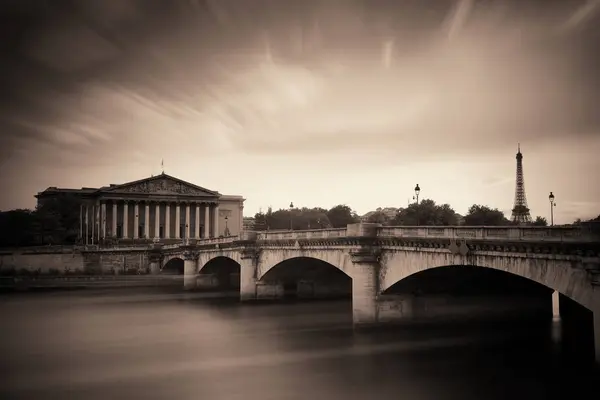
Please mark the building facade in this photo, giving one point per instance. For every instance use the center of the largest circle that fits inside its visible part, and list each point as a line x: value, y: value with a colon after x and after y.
x: 160, y: 208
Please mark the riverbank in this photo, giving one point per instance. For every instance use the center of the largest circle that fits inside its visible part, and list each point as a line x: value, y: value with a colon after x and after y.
x: 65, y: 283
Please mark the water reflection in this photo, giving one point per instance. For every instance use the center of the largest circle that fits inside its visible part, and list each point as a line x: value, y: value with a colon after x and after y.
x: 156, y: 346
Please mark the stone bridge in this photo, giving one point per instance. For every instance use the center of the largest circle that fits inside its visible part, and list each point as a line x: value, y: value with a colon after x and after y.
x: 564, y: 259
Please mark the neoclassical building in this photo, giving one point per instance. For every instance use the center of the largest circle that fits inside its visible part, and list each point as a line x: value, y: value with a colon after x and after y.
x: 161, y: 208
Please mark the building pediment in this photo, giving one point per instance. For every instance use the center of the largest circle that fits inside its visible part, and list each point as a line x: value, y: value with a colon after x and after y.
x: 161, y: 184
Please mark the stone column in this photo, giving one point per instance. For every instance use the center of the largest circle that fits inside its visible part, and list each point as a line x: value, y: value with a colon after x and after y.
x: 167, y: 220
x: 81, y: 222
x: 197, y: 222
x: 187, y: 220
x: 250, y: 258
x: 206, y: 220
x: 87, y: 224
x: 93, y: 219
x: 190, y: 269
x: 216, y: 221
x: 103, y: 207
x: 114, y: 219
x: 147, y: 221
x: 177, y: 220
x: 125, y: 220
x: 136, y: 220
x: 365, y: 287
x: 555, y: 304
x: 98, y: 222
x: 157, y: 221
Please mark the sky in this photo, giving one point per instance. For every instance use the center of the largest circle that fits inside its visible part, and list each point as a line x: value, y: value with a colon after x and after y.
x: 319, y: 102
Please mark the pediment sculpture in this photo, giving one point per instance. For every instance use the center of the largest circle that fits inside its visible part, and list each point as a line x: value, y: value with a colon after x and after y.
x: 162, y: 186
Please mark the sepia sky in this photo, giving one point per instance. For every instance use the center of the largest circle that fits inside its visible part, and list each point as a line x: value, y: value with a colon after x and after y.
x: 317, y: 102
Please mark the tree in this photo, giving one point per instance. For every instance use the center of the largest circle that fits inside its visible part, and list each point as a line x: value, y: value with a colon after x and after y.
x: 482, y: 215
x: 426, y: 213
x: 341, y: 215
x: 296, y: 219
x: 379, y: 217
x: 58, y: 220
x: 540, y: 221
x: 17, y: 228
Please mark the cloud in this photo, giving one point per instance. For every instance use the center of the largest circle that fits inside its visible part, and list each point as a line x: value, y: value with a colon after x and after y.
x: 321, y: 82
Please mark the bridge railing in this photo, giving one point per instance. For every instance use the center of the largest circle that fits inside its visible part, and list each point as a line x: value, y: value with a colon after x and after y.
x: 305, y: 234
x: 530, y: 233
x: 219, y: 240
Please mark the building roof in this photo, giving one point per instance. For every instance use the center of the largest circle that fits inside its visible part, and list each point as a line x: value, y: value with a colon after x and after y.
x: 159, y: 184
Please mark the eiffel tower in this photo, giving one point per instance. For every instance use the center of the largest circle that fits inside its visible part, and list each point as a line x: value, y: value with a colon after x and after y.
x: 520, y: 211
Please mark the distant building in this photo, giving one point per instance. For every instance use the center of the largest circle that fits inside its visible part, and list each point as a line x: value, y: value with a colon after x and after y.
x: 161, y: 208
x: 388, y: 212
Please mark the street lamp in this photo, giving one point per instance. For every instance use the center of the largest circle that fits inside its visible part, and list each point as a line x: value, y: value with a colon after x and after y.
x: 291, y: 218
x: 552, y: 205
x: 417, y: 191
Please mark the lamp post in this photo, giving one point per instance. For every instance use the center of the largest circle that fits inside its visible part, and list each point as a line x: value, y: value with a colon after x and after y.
x: 226, y: 232
x: 291, y: 217
x: 417, y: 191
x: 552, y: 205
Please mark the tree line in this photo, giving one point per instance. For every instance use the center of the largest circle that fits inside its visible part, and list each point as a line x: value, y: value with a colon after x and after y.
x: 427, y: 212
x: 56, y: 221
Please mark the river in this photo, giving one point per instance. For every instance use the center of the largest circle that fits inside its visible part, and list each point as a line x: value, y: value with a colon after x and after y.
x: 158, y: 345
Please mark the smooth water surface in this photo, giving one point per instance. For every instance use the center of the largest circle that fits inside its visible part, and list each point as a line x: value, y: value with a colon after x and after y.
x: 122, y: 345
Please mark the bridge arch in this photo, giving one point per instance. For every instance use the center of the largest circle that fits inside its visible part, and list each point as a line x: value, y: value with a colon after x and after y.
x: 303, y: 267
x: 219, y: 262
x: 552, y: 271
x: 270, y: 259
x: 173, y: 265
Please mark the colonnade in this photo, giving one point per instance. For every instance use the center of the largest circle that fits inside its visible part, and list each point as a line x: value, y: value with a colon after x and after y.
x: 112, y: 219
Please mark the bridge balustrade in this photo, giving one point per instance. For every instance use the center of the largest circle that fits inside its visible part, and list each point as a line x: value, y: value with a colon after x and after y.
x: 530, y: 233
x: 304, y: 234
x: 578, y: 233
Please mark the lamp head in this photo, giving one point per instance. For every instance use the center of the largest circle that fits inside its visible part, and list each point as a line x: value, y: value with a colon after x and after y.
x: 417, y: 189
x: 551, y: 197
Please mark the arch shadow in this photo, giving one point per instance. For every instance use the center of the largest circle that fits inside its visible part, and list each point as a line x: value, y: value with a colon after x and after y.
x: 467, y: 280
x: 308, y: 277
x: 222, y: 273
x: 504, y: 294
x: 175, y: 266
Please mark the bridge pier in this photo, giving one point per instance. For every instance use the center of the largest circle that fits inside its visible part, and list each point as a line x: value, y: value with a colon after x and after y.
x: 365, y: 288
x: 248, y: 273
x: 154, y: 265
x: 190, y: 269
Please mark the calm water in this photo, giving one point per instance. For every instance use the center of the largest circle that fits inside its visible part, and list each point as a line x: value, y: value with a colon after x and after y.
x: 112, y: 345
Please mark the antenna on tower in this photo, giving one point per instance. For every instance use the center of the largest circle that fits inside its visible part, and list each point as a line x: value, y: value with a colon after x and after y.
x: 520, y: 211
